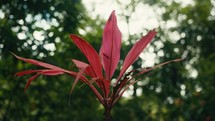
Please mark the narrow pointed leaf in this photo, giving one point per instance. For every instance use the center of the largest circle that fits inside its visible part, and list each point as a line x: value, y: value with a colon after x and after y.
x: 43, y: 72
x: 26, y: 72
x: 111, y: 45
x: 51, y: 72
x: 121, y: 90
x: 80, y: 73
x: 38, y: 63
x: 85, y: 80
x: 98, y: 95
x: 88, y: 70
x: 157, y: 66
x: 135, y: 51
x: 74, y: 75
x: 91, y: 55
x: 30, y: 80
x: 107, y: 87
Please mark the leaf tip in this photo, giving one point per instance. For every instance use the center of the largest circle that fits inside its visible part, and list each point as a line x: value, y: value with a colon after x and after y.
x: 14, y: 55
x: 73, y: 36
x: 26, y: 87
x: 179, y: 59
x: 16, y: 74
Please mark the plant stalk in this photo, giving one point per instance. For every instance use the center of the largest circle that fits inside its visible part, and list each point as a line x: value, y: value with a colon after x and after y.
x: 107, y: 113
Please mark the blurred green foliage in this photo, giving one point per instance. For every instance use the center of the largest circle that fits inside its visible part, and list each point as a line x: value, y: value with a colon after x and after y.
x: 21, y: 23
x: 177, y: 92
x: 180, y: 91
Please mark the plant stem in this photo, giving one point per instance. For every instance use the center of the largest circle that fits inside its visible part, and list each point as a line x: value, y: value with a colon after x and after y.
x: 107, y: 114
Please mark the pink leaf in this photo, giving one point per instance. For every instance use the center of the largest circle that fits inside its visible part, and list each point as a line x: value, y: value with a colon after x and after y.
x: 26, y: 72
x: 111, y: 45
x: 135, y: 51
x: 74, y: 74
x: 157, y: 66
x: 85, y: 68
x: 85, y: 80
x: 43, y: 72
x: 51, y: 72
x: 88, y: 70
x: 80, y: 73
x: 39, y: 63
x: 30, y: 80
x: 107, y: 87
x: 143, y: 71
x: 91, y: 55
x: 98, y: 95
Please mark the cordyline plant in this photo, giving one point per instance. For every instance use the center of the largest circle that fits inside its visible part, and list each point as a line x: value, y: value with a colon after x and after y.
x: 91, y: 73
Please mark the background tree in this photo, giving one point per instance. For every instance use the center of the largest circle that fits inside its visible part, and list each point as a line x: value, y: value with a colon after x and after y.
x: 40, y: 30
x: 180, y: 91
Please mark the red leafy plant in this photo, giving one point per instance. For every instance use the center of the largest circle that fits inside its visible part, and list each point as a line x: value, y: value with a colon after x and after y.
x: 92, y: 74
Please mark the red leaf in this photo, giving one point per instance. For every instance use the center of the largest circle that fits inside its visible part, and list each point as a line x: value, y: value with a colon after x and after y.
x: 91, y: 55
x: 43, y: 72
x: 85, y: 80
x: 74, y: 74
x: 157, y: 66
x: 26, y: 72
x: 80, y: 73
x: 82, y: 68
x: 121, y: 90
x: 111, y: 45
x: 135, y: 51
x: 98, y: 95
x: 51, y: 72
x: 30, y: 80
x: 106, y: 87
x: 39, y: 63
x: 56, y: 71
x: 88, y: 70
